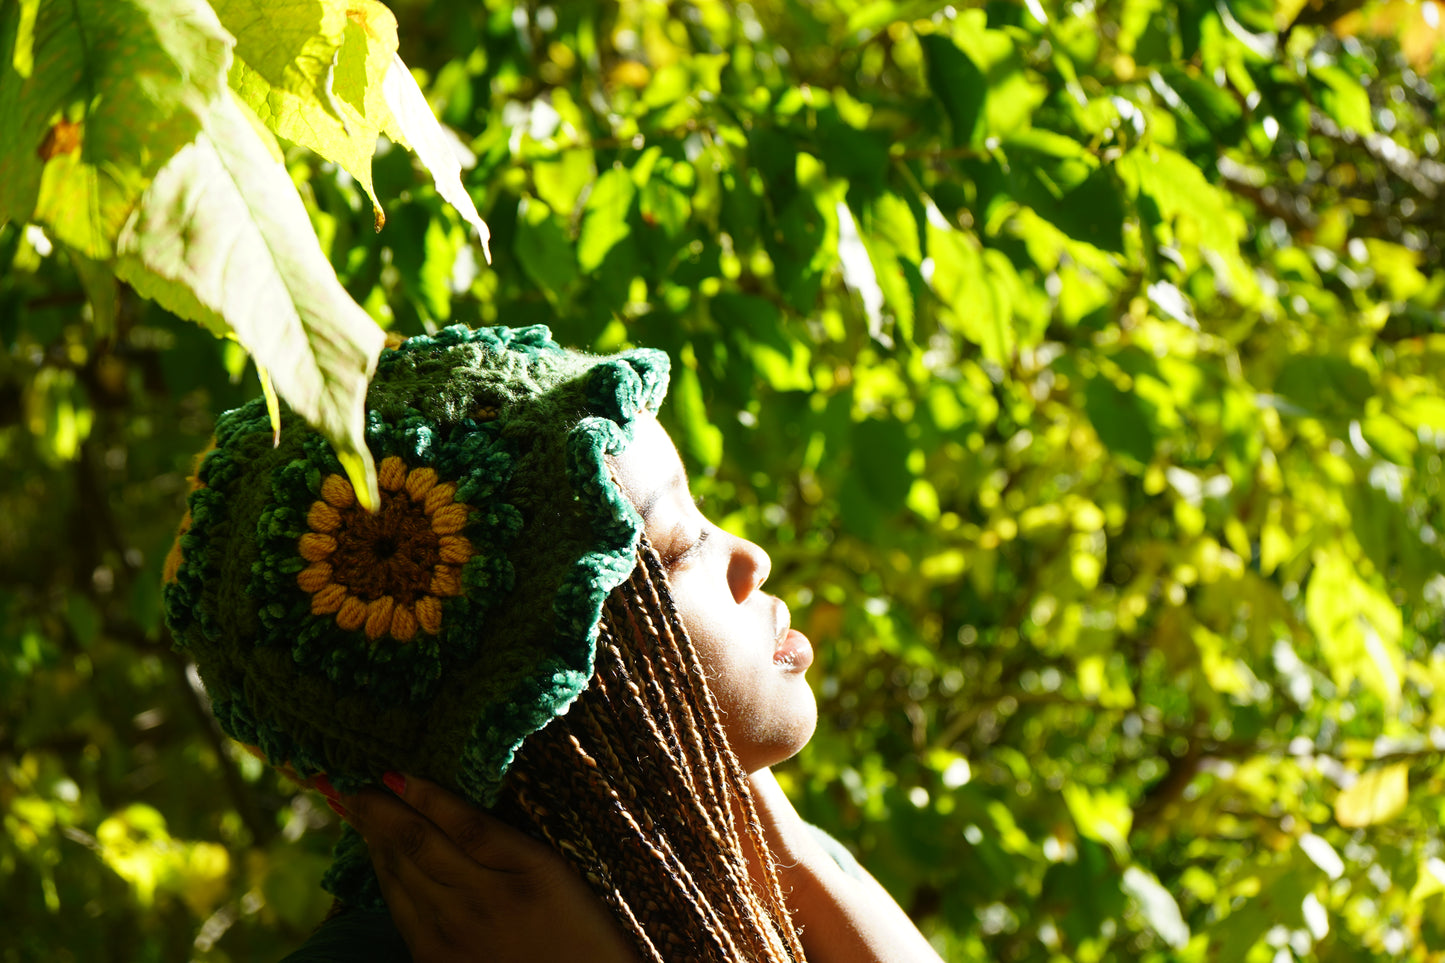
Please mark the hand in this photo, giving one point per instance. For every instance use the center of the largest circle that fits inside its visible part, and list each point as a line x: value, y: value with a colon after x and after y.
x: 461, y: 884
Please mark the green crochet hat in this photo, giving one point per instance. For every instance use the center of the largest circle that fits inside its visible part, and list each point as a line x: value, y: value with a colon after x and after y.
x: 436, y: 634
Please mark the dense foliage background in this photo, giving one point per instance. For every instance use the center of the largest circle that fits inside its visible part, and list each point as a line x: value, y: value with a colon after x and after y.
x: 1078, y: 364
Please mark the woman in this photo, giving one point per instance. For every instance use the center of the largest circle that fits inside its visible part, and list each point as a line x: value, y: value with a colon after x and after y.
x: 537, y: 619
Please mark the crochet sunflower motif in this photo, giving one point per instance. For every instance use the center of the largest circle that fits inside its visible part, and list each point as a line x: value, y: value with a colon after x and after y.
x: 385, y: 573
x: 439, y: 632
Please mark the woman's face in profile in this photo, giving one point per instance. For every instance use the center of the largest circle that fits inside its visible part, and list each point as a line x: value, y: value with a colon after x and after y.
x: 755, y: 664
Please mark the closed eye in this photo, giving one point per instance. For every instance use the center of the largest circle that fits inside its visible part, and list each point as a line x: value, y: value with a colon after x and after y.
x: 676, y: 561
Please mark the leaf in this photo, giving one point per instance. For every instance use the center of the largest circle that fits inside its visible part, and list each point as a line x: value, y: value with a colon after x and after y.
x: 1357, y: 625
x: 112, y: 93
x: 1103, y: 815
x: 273, y: 404
x: 561, y: 181
x: 1120, y: 420
x: 663, y: 206
x: 22, y: 57
x: 1215, y: 107
x: 1343, y: 98
x: 542, y: 247
x: 1158, y: 908
x: 283, y: 72
x: 701, y: 439
x: 1325, y: 386
x: 1009, y: 95
x: 101, y: 290
x: 288, y: 44
x: 1173, y: 191
x: 978, y: 305
x: 1093, y: 212
x: 883, y: 463
x: 605, y: 217
x: 1378, y: 796
x: 221, y: 237
x: 958, y: 84
x: 437, y: 149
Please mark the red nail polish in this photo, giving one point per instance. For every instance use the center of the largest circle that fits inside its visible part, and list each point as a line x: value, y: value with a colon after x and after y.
x: 323, y: 785
x: 395, y: 781
x: 337, y: 808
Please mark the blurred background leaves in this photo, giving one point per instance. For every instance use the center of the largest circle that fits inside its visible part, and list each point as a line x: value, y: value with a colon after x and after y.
x: 1077, y: 363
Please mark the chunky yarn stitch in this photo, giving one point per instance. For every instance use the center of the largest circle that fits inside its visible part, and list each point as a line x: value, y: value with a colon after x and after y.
x: 436, y: 634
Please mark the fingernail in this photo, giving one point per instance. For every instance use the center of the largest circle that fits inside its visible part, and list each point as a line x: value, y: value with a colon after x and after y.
x: 324, y: 786
x: 395, y: 781
x: 337, y: 808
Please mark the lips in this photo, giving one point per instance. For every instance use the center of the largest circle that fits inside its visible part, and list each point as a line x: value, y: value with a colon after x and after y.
x: 792, y: 651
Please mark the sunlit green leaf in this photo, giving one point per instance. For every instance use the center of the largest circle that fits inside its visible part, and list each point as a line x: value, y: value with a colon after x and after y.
x: 605, y: 218
x: 112, y: 93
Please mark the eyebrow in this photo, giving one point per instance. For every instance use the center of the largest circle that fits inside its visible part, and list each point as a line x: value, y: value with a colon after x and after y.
x: 657, y: 495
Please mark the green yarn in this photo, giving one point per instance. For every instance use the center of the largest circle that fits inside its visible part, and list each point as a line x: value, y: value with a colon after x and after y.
x: 502, y: 597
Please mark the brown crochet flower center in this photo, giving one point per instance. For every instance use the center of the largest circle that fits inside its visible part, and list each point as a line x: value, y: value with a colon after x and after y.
x: 385, y: 572
x: 389, y: 553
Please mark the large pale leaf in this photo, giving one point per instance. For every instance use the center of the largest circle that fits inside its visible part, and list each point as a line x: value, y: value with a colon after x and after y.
x: 338, y: 112
x: 95, y: 95
x: 221, y: 237
x: 418, y: 128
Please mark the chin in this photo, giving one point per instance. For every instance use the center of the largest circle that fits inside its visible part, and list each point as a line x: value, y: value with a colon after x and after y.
x: 783, y: 738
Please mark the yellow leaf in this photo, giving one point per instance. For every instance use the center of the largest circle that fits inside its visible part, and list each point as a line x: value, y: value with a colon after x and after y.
x: 273, y: 404
x: 1376, y: 797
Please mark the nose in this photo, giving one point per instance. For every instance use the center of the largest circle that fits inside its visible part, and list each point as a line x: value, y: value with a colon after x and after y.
x: 747, y: 569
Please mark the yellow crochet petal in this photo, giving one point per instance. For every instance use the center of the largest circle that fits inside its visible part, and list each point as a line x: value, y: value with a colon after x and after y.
x: 419, y: 482
x: 323, y: 518
x: 338, y: 492
x: 403, y: 624
x: 448, y: 520
x: 315, y: 547
x: 429, y: 614
x: 392, y: 473
x: 352, y: 614
x: 314, y: 577
x: 454, y: 549
x: 444, y: 582
x: 440, y: 496
x: 378, y: 617
x: 328, y: 600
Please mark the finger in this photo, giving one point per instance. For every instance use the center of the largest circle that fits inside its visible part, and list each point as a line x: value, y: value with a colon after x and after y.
x: 429, y: 914
x: 430, y: 894
x: 400, y: 836
x: 481, y: 836
x: 403, y: 897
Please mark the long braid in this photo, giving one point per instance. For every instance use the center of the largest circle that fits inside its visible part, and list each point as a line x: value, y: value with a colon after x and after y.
x: 704, y: 705
x: 717, y: 745
x: 645, y: 598
x: 620, y: 838
x: 636, y: 785
x: 704, y: 801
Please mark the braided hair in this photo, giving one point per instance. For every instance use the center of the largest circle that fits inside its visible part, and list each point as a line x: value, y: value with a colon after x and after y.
x: 637, y: 786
